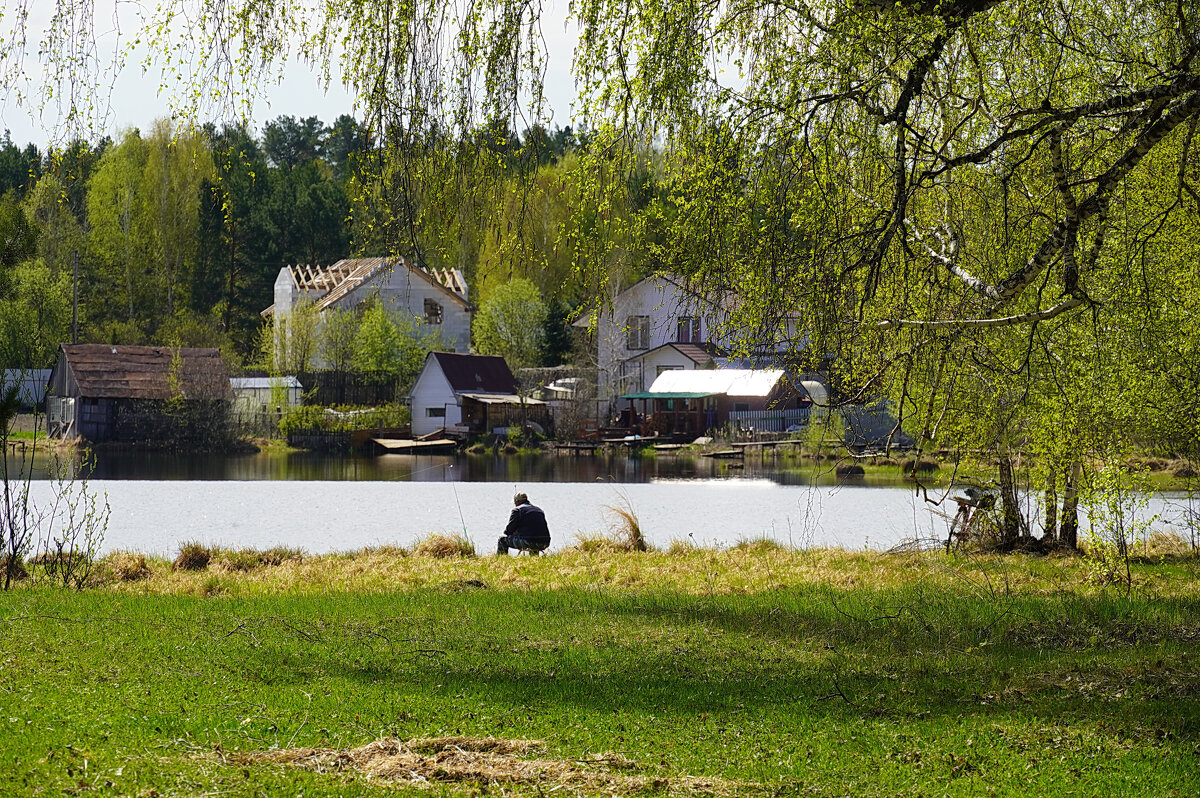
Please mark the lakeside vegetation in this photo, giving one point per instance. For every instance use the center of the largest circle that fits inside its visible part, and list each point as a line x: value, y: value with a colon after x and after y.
x: 755, y: 670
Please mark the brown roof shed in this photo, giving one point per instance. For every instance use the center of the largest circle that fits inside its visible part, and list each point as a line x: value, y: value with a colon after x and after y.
x: 104, y: 371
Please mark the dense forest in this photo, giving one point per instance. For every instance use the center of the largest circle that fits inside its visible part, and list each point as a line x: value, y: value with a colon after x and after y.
x: 176, y: 236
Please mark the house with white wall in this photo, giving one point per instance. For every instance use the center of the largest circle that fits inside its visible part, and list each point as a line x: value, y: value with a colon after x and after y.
x: 641, y: 319
x: 469, y: 394
x: 660, y: 324
x: 437, y: 299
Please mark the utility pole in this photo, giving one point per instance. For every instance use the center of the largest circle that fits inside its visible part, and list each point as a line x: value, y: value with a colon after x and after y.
x: 75, y: 301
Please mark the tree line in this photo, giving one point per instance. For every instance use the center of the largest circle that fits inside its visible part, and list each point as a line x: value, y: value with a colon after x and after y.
x: 175, y: 236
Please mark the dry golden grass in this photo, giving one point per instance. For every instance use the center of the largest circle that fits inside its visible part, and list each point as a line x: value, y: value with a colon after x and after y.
x: 597, y: 563
x: 193, y: 556
x: 484, y: 760
x: 443, y: 546
x: 127, y: 566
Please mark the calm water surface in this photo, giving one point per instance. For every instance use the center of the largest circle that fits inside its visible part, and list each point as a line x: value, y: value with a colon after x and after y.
x: 323, y: 504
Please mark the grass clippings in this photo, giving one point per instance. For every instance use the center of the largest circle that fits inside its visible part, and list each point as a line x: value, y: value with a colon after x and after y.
x: 480, y: 760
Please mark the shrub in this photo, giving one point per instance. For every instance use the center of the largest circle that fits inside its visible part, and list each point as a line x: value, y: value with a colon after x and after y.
x: 193, y: 556
x: 343, y: 418
x: 445, y: 546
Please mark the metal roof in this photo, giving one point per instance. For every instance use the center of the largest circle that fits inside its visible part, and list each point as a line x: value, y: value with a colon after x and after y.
x: 667, y: 395
x: 731, y: 382
x: 502, y: 399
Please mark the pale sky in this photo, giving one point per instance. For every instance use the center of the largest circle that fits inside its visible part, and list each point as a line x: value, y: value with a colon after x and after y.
x: 134, y: 99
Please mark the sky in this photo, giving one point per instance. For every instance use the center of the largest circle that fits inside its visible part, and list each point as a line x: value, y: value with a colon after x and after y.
x: 132, y: 98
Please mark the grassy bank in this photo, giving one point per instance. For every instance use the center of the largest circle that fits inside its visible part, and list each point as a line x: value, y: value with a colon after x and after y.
x: 753, y: 671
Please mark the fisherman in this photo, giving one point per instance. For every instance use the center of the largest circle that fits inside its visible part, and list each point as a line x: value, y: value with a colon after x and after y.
x: 526, y: 530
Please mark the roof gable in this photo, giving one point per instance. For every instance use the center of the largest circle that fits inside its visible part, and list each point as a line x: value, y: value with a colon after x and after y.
x: 476, y: 373
x: 104, y: 371
x: 332, y: 283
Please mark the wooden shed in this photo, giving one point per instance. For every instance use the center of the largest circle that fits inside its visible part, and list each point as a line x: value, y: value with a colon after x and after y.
x: 139, y: 394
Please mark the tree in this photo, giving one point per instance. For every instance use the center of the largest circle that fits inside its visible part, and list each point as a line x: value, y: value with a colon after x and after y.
x: 337, y: 337
x: 511, y: 323
x: 119, y: 237
x: 946, y: 195
x: 35, y: 318
x: 18, y: 240
x: 392, y: 344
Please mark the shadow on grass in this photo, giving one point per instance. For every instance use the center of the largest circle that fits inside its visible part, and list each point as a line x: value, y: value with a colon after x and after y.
x: 904, y: 656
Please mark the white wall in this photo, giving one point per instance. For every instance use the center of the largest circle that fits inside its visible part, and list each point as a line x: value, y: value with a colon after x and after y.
x: 432, y: 390
x: 401, y: 290
x: 664, y: 302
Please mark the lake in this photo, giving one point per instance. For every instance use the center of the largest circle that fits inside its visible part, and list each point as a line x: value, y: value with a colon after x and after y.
x: 323, y: 504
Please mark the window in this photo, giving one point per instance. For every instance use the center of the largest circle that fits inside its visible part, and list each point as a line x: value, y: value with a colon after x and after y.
x: 435, y: 412
x: 637, y: 332
x: 741, y: 407
x: 433, y: 312
x: 658, y: 370
x: 688, y: 330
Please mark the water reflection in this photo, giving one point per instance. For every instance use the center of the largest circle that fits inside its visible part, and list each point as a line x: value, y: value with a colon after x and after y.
x: 620, y: 467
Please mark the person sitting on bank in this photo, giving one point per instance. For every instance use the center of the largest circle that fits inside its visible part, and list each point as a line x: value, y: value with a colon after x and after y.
x: 526, y: 530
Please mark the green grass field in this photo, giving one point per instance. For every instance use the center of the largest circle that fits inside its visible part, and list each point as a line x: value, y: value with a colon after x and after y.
x: 751, y: 671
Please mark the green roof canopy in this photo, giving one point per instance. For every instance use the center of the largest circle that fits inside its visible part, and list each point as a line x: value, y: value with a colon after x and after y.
x: 674, y: 395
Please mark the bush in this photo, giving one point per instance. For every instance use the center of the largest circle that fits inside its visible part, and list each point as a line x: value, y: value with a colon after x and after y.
x: 342, y: 418
x: 193, y: 556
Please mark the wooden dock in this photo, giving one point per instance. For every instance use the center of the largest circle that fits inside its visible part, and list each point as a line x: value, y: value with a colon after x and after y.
x: 403, y: 446
x: 724, y: 454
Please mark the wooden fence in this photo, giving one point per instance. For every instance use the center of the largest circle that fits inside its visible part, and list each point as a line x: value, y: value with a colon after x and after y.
x: 769, y: 420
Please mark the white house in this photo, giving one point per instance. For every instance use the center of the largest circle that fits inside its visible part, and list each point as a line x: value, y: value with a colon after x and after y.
x: 469, y: 394
x: 646, y: 316
x: 657, y: 325
x: 436, y: 298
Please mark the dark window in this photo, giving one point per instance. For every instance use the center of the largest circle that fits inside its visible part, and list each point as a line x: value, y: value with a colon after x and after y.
x: 688, y: 330
x: 741, y: 407
x: 637, y: 332
x: 433, y: 312
x: 435, y: 412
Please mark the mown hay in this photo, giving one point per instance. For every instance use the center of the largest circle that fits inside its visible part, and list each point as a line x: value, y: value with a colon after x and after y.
x: 445, y: 546
x: 478, y: 760
x: 193, y: 556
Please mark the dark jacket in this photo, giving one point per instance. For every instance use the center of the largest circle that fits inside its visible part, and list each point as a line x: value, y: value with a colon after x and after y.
x: 528, y: 522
